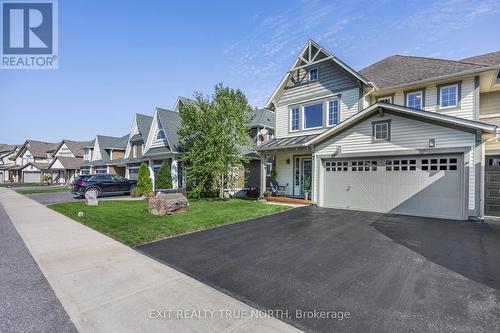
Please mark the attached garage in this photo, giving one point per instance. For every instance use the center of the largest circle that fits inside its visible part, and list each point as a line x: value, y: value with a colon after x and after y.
x: 431, y: 185
x: 32, y: 177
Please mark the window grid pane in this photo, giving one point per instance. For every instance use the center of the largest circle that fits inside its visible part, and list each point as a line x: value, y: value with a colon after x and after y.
x: 414, y: 100
x: 295, y: 119
x: 333, y: 112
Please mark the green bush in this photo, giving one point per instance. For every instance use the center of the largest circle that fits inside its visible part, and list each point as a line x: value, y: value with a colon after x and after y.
x: 144, y: 185
x: 135, y: 193
x: 164, y: 177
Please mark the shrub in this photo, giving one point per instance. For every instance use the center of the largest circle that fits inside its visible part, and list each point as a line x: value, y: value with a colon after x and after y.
x: 135, y: 193
x: 47, y: 179
x: 164, y: 176
x: 144, y: 185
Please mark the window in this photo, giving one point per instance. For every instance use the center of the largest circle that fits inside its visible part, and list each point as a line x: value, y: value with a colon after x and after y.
x: 269, y: 169
x: 448, y: 96
x: 333, y: 112
x: 294, y: 119
x: 134, y: 151
x: 160, y: 134
x: 415, y: 99
x: 313, y: 74
x: 381, y: 130
x: 385, y: 99
x: 313, y: 116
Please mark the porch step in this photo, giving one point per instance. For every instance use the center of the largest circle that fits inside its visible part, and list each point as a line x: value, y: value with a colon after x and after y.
x: 289, y: 200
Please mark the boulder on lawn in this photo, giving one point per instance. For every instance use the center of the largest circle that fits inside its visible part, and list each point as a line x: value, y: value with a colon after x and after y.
x: 91, y: 198
x: 166, y: 204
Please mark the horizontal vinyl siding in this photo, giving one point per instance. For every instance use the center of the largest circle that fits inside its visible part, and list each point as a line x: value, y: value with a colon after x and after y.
x: 284, y: 172
x: 489, y: 103
x: 406, y: 134
x: 466, y: 109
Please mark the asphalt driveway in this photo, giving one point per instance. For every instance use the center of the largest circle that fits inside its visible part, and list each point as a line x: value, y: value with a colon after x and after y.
x: 391, y: 273
x: 56, y: 197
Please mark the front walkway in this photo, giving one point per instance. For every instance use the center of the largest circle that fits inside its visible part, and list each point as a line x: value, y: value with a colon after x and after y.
x: 106, y: 286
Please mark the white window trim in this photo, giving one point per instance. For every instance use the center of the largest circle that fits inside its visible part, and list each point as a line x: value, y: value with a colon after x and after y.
x: 421, y: 93
x: 303, y: 113
x: 156, y: 135
x: 385, y: 97
x: 441, y: 97
x: 381, y: 131
x: 309, y: 74
x: 328, y: 111
x: 290, y: 116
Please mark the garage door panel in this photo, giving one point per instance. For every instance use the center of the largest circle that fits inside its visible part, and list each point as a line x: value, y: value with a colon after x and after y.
x: 396, y: 186
x: 32, y: 177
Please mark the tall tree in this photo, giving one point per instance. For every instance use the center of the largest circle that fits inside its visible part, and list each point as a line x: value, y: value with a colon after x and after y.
x: 144, y: 185
x: 213, y: 132
x: 164, y: 176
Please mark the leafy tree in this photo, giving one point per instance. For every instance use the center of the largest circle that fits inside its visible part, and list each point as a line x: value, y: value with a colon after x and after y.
x: 144, y: 185
x: 164, y: 177
x: 213, y: 132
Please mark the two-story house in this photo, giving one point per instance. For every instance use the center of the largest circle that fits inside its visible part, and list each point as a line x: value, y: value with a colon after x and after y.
x: 67, y: 159
x: 403, y: 135
x: 104, y: 154
x: 134, y: 154
x: 32, y: 158
x: 6, y: 163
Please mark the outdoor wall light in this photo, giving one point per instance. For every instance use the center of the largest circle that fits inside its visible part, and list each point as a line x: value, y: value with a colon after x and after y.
x: 287, y: 161
x: 432, y: 143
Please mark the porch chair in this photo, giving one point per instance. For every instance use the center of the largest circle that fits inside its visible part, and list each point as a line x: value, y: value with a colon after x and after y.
x: 276, y: 189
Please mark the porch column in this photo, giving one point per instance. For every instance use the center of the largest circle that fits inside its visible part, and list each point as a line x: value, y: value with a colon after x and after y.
x: 174, y: 170
x: 262, y: 174
x: 152, y: 172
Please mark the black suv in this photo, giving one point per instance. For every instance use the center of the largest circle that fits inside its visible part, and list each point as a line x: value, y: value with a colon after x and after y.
x: 102, y: 183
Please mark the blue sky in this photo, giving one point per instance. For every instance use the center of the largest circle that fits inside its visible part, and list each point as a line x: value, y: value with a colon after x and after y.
x: 118, y: 58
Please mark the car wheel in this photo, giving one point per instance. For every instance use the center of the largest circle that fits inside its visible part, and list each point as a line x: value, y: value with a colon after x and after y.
x: 93, y: 189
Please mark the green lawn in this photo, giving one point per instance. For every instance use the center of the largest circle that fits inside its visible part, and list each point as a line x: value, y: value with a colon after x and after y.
x: 49, y: 190
x: 130, y: 222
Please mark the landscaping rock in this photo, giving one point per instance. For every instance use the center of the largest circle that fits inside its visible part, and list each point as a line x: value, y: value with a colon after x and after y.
x: 91, y: 198
x: 166, y: 204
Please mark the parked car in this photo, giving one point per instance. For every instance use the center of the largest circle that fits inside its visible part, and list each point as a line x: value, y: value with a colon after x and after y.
x: 102, y: 183
x: 77, y: 179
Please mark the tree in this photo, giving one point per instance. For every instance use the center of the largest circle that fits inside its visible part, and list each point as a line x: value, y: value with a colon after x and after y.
x: 144, y: 185
x: 164, y: 177
x: 213, y: 132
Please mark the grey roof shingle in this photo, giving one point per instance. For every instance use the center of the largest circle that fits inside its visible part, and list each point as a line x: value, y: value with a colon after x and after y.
x: 39, y: 148
x: 157, y: 151
x: 144, y: 124
x: 110, y: 142
x: 263, y: 117
x: 89, y: 144
x: 171, y: 122
x: 69, y: 163
x: 76, y: 147
x: 399, y: 70
x: 5, y: 148
x: 492, y: 59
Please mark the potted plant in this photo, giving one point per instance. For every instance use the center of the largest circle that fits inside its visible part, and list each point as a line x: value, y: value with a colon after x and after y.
x: 307, y: 187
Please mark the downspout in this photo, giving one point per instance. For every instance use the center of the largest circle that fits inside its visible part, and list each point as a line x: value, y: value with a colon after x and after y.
x: 369, y: 93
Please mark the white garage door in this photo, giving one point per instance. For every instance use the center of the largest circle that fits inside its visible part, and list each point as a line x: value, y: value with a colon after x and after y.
x: 422, y: 186
x: 32, y: 177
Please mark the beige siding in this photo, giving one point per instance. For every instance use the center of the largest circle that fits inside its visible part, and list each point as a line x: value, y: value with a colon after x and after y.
x: 406, y: 134
x: 490, y: 107
x: 466, y: 109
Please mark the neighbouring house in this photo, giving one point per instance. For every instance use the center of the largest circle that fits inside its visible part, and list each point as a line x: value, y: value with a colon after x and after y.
x: 6, y: 163
x: 67, y: 159
x: 134, y: 154
x: 406, y: 135
x: 104, y: 154
x: 31, y: 160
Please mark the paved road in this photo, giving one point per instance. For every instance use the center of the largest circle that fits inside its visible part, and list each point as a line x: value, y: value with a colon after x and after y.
x: 392, y: 273
x: 27, y: 302
x: 51, y: 198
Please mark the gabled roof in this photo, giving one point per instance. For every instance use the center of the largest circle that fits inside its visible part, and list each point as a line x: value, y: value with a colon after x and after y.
x: 263, y: 117
x: 38, y: 148
x: 491, y: 59
x: 110, y: 142
x: 89, y: 144
x: 311, y: 54
x: 405, y: 111
x: 76, y: 147
x: 399, y: 70
x: 182, y: 101
x: 170, y: 122
x: 69, y: 163
x: 5, y: 148
x: 144, y: 125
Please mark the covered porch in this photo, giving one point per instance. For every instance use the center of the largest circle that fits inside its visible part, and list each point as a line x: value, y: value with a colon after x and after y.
x: 293, y: 180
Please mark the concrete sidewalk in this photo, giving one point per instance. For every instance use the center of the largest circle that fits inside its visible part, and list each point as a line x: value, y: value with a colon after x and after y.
x: 106, y: 286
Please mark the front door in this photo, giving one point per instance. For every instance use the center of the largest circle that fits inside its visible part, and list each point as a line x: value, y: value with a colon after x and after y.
x: 492, y: 186
x: 306, y: 181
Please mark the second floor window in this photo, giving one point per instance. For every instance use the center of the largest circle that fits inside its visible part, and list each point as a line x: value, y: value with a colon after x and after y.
x: 313, y: 74
x: 448, y: 96
x: 333, y: 112
x: 294, y: 119
x: 313, y: 116
x: 414, y: 100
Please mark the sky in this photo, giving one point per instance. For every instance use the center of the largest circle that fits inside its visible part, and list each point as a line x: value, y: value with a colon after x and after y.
x: 118, y: 58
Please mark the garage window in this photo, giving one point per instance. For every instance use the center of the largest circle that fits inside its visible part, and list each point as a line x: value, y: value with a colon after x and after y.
x: 381, y: 130
x: 439, y: 164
